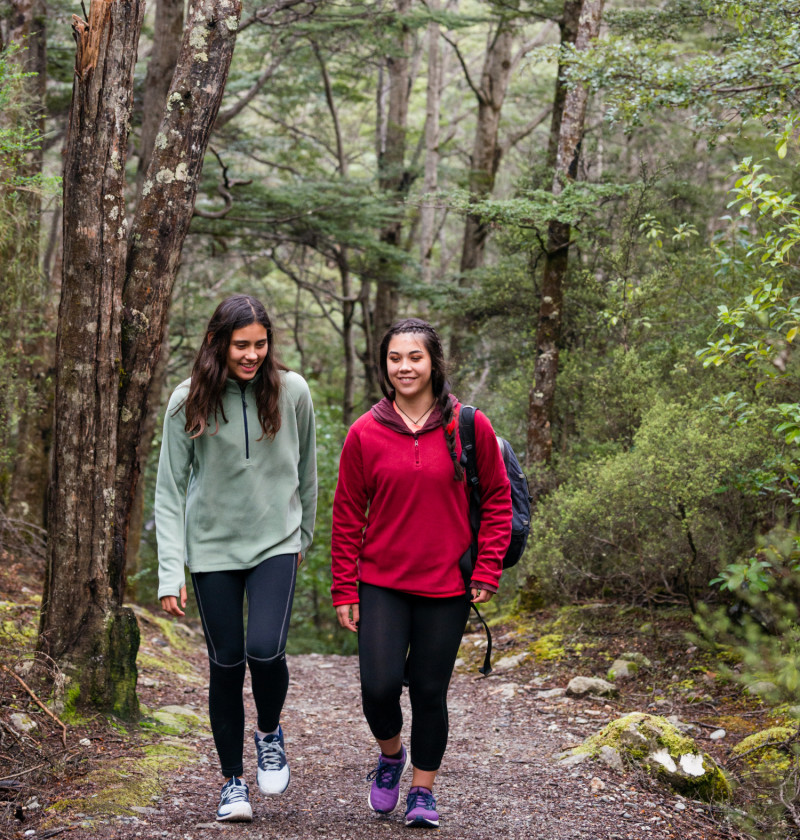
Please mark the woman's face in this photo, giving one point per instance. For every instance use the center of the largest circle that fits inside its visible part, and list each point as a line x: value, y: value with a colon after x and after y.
x: 247, y: 351
x: 408, y: 364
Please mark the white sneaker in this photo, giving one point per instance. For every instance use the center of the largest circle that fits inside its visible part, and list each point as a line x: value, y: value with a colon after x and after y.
x: 273, y: 771
x: 234, y: 803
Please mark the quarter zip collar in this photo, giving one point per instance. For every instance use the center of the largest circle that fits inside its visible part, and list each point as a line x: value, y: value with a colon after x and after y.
x: 385, y: 414
x: 235, y: 386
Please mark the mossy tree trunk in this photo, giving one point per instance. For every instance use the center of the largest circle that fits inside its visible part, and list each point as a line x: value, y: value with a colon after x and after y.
x: 115, y: 300
x: 83, y: 625
x: 556, y: 261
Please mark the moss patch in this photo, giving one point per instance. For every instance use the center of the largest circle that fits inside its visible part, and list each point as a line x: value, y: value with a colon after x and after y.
x: 132, y: 781
x: 548, y: 647
x: 769, y: 753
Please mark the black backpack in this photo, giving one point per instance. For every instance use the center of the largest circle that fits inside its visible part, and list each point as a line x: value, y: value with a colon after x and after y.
x: 520, y: 509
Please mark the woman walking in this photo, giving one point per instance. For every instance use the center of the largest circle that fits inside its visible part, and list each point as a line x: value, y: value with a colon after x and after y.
x: 400, y: 527
x: 235, y: 500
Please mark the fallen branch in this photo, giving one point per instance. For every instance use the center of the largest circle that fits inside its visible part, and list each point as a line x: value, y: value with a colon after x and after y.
x: 39, y: 703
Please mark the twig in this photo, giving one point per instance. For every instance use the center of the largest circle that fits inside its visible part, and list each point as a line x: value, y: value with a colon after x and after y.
x: 39, y: 703
x: 7, y: 776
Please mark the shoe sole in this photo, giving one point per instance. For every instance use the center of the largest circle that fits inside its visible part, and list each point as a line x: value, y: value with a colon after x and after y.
x: 422, y: 823
x: 387, y: 813
x: 275, y: 792
x: 238, y: 815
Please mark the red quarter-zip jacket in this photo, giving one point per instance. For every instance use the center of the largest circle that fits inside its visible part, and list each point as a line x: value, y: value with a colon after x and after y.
x: 401, y: 521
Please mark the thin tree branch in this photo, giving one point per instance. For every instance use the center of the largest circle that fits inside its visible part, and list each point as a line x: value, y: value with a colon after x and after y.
x: 326, y: 81
x: 39, y: 703
x: 462, y: 62
x: 224, y: 189
x: 228, y: 114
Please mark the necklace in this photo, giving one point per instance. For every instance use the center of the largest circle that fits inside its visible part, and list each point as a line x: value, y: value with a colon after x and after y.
x: 415, y: 422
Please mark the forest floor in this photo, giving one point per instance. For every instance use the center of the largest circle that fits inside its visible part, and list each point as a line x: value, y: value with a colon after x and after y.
x: 500, y: 777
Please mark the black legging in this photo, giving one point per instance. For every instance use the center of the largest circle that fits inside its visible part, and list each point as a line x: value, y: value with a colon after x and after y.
x: 391, y: 626
x: 220, y: 599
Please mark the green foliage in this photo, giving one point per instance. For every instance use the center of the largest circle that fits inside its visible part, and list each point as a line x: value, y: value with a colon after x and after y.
x: 314, y: 625
x: 761, y: 625
x: 701, y: 55
x: 651, y: 521
x: 22, y: 187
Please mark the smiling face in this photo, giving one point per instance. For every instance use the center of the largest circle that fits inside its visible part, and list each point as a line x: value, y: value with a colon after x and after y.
x: 246, y: 351
x: 408, y: 365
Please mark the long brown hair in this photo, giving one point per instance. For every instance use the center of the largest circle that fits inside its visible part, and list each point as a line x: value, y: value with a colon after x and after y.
x: 439, y: 383
x: 210, y: 370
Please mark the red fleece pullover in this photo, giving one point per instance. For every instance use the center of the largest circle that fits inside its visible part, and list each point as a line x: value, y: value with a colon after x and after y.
x: 401, y: 521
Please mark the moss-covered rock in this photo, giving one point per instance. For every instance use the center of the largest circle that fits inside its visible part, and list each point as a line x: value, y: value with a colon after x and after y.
x: 621, y: 669
x: 769, y: 753
x: 655, y: 744
x: 175, y: 720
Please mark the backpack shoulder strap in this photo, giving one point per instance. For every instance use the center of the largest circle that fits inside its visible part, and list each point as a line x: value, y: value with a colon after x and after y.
x: 469, y: 460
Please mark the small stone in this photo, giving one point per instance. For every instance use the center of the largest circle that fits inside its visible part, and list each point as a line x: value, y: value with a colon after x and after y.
x: 508, y: 663
x: 596, y: 785
x: 622, y: 670
x: 21, y: 722
x: 638, y: 658
x: 679, y: 806
x: 571, y: 759
x: 85, y: 742
x: 550, y: 693
x: 581, y: 686
x: 763, y: 689
x: 718, y: 734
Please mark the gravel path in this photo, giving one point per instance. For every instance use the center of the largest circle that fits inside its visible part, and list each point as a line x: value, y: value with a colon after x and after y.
x: 499, y: 779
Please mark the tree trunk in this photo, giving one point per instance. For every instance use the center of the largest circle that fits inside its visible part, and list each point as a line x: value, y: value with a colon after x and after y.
x: 392, y: 175
x: 83, y: 625
x: 167, y: 31
x: 432, y: 106
x: 159, y: 229
x: 167, y: 36
x: 485, y: 158
x: 548, y: 335
x: 32, y: 313
x: 568, y: 27
x: 113, y: 311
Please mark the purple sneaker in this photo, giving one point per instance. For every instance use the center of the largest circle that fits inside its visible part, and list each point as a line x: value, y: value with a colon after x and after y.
x: 385, y: 791
x: 421, y: 808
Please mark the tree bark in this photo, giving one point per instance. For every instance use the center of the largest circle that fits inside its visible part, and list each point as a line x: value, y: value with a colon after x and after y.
x: 159, y: 229
x: 548, y: 335
x: 427, y: 215
x: 485, y: 158
x: 393, y: 178
x: 114, y: 306
x: 83, y: 625
x: 568, y: 28
x: 167, y: 31
x: 33, y: 314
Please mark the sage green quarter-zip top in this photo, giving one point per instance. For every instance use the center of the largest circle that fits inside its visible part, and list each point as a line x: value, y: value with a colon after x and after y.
x: 232, y: 497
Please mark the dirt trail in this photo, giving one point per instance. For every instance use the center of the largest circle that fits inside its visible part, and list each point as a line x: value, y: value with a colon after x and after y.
x: 499, y: 779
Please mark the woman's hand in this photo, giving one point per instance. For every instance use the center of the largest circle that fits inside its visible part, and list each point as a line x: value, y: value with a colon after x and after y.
x: 480, y: 596
x: 348, y: 616
x: 299, y: 559
x: 169, y: 603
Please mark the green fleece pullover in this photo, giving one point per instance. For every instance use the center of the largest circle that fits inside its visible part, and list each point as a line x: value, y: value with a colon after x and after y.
x: 229, y: 500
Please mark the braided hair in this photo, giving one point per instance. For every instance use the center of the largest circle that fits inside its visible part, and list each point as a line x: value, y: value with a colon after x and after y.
x: 439, y: 383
